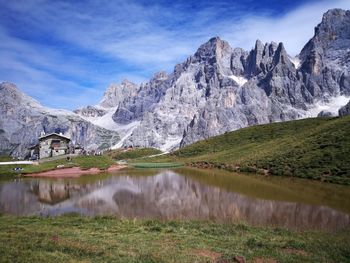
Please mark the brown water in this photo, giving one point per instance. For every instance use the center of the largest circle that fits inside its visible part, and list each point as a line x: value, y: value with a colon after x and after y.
x: 185, y: 194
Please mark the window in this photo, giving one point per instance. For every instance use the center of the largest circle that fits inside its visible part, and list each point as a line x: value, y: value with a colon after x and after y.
x: 55, y: 144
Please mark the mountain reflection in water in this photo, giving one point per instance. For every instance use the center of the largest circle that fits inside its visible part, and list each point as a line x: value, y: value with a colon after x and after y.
x: 166, y: 195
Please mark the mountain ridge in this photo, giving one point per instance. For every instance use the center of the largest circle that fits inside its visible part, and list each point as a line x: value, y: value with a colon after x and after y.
x: 220, y: 89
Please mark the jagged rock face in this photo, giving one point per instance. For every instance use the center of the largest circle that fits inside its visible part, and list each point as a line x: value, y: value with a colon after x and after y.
x: 345, y: 110
x: 325, y: 114
x: 221, y: 89
x: 90, y: 111
x: 22, y: 119
x: 326, y: 58
x: 115, y: 93
x: 144, y: 100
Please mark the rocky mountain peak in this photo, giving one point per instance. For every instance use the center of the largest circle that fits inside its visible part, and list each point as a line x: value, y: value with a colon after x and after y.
x: 116, y: 93
x: 281, y: 55
x: 14, y: 96
x: 10, y: 88
x: 264, y: 57
x: 330, y: 41
x: 214, y: 48
x: 334, y: 26
x: 334, y: 18
x: 259, y: 46
x: 127, y: 83
x: 8, y: 85
x: 161, y: 75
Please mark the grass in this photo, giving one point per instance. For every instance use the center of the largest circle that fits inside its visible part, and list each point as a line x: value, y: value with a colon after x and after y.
x: 156, y: 165
x: 84, y: 162
x: 105, y: 239
x: 126, y: 154
x: 5, y: 158
x: 316, y: 148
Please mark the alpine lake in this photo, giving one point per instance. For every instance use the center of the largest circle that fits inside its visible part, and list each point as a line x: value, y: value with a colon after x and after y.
x: 183, y: 194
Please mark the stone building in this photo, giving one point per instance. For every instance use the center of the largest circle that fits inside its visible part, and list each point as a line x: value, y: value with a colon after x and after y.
x: 53, y: 144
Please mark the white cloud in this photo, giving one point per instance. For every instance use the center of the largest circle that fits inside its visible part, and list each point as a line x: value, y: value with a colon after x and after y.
x: 294, y: 29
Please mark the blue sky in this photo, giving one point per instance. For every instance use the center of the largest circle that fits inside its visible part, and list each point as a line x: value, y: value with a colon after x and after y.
x: 65, y: 53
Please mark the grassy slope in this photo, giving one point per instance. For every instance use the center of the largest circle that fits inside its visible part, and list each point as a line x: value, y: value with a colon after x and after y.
x: 84, y: 162
x: 79, y: 239
x: 4, y: 158
x: 311, y: 148
x: 132, y: 153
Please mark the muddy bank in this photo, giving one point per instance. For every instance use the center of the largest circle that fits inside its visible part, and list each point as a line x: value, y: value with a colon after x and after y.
x: 74, y: 172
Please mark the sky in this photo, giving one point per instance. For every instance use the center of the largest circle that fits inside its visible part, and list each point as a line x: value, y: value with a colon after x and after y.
x: 66, y: 53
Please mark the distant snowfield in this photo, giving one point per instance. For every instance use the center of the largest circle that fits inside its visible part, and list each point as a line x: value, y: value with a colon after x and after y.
x: 332, y: 105
x: 125, y: 132
x: 57, y: 111
x: 104, y: 121
x: 34, y: 104
x: 296, y: 62
x: 171, y: 143
x: 238, y: 79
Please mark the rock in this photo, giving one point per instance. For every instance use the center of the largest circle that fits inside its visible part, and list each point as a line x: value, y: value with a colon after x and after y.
x: 90, y: 111
x: 345, y: 110
x: 116, y: 94
x: 325, y: 114
x: 324, y: 59
x: 134, y: 107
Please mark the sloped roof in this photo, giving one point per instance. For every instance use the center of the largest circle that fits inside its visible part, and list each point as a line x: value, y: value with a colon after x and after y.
x: 33, y: 147
x: 53, y: 134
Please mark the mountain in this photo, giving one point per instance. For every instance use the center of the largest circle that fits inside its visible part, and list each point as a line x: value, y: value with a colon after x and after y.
x: 22, y: 119
x: 221, y: 89
x: 345, y: 110
x: 216, y: 90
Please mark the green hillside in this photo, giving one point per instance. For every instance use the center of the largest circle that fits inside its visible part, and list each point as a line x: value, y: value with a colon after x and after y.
x: 316, y: 148
x: 132, y: 153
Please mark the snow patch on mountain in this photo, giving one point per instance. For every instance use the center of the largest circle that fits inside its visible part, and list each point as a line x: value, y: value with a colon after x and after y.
x: 61, y: 112
x: 238, y: 79
x: 171, y: 143
x: 296, y: 61
x: 104, y: 121
x: 125, y: 132
x: 331, y: 105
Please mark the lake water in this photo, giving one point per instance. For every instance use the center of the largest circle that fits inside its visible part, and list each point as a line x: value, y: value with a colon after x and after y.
x: 184, y: 194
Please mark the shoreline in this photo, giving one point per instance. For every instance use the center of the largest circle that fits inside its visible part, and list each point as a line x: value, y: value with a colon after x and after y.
x: 73, y: 172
